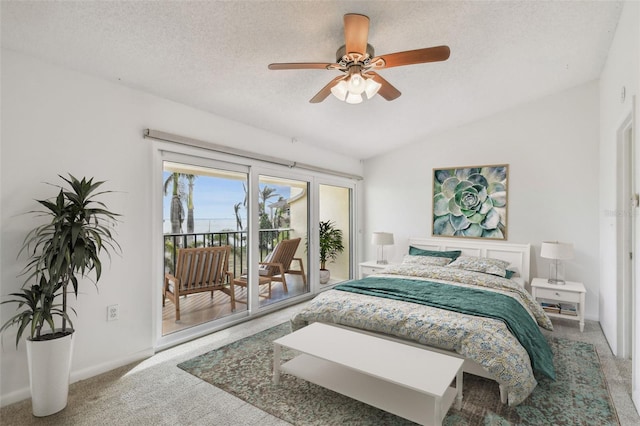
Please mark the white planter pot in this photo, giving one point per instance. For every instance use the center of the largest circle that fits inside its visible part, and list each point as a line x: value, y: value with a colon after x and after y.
x: 325, y: 274
x: 49, y: 367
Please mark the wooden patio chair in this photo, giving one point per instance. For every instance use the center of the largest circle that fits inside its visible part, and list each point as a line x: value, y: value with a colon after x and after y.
x: 199, y: 270
x: 278, y: 263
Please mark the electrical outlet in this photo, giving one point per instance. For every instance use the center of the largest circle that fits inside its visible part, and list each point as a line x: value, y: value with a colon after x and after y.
x: 113, y: 312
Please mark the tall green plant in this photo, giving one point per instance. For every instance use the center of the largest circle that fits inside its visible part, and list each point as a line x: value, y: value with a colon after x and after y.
x: 63, y: 251
x: 330, y: 242
x: 38, y: 309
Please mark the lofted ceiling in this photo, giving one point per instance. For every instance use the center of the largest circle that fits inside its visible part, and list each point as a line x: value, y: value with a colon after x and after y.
x: 213, y: 55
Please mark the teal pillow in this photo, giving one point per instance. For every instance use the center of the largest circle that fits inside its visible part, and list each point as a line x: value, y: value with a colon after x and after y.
x: 453, y: 255
x: 509, y: 273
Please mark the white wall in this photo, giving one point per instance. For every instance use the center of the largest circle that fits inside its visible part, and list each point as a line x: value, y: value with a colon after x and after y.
x: 56, y: 121
x: 551, y: 146
x: 622, y: 69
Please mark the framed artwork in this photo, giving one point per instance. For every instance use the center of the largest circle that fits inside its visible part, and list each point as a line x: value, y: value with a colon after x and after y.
x: 470, y: 202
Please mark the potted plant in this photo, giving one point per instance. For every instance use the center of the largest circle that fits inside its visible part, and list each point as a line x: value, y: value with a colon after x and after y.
x: 330, y: 247
x: 61, y: 252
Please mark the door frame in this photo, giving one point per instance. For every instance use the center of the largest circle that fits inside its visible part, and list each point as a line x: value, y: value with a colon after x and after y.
x: 625, y: 230
x: 353, y: 231
x: 170, y: 153
x: 254, y: 185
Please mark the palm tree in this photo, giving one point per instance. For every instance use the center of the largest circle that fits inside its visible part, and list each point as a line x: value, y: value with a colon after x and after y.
x: 265, y: 194
x: 190, y: 224
x: 178, y: 195
x: 266, y: 240
x: 280, y: 219
x: 236, y: 210
x: 176, y: 209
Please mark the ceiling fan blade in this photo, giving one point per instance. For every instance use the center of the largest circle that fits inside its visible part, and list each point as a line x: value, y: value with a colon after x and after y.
x: 356, y: 32
x: 326, y: 90
x: 410, y: 57
x: 303, y: 66
x: 387, y: 90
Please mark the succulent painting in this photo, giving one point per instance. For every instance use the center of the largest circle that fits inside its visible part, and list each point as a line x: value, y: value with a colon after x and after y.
x: 470, y: 202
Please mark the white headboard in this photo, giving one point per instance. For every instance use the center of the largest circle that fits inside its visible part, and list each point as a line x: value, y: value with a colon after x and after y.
x: 518, y: 255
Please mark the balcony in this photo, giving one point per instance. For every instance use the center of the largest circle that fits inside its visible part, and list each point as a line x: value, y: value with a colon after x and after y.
x: 268, y: 238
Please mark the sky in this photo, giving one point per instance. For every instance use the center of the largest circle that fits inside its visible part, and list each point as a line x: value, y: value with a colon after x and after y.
x: 214, y: 197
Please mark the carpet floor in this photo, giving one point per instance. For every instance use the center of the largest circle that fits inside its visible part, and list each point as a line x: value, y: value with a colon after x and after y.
x: 579, y: 396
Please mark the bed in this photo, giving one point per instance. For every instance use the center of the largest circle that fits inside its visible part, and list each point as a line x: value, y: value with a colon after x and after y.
x: 453, y: 296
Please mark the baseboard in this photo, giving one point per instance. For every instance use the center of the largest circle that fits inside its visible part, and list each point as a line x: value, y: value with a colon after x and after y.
x: 75, y: 376
x: 94, y: 370
x: 591, y: 318
x: 15, y: 396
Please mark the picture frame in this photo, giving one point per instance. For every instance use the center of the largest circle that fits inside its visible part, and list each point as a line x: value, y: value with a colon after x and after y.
x: 470, y: 202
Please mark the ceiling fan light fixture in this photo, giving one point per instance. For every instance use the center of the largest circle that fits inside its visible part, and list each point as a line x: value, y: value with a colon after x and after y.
x: 371, y: 87
x: 353, y: 98
x: 340, y: 90
x: 356, y: 83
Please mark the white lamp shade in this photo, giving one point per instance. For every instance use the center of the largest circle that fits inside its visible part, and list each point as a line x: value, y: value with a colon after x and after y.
x: 353, y: 98
x: 382, y: 238
x: 356, y: 84
x: 556, y: 250
x: 340, y: 90
x: 371, y: 88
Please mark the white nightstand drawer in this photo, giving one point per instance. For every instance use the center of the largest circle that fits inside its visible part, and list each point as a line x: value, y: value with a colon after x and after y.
x: 369, y: 270
x: 565, y: 296
x: 371, y: 267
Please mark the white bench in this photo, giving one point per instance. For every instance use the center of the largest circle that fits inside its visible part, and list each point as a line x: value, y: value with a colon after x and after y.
x: 407, y: 381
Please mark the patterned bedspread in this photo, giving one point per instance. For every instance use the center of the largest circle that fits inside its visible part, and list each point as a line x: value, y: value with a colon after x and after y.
x: 484, y: 340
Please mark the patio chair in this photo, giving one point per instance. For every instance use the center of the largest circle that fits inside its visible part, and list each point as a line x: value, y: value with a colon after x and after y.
x: 278, y: 263
x: 199, y: 270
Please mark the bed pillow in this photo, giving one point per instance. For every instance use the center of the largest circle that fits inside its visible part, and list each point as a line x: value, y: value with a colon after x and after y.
x: 425, y: 260
x: 481, y: 264
x: 509, y: 273
x: 453, y: 254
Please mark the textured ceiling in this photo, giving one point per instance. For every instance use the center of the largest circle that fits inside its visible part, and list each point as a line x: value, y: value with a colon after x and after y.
x: 213, y: 55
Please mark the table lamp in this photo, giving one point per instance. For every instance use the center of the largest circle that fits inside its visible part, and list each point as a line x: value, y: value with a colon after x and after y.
x: 382, y: 239
x: 556, y: 251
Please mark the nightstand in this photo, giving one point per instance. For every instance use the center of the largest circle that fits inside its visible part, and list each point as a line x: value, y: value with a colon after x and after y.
x: 370, y: 267
x: 560, y: 300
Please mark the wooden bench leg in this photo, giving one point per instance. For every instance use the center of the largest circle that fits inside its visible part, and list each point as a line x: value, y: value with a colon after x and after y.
x: 176, y: 301
x: 232, y: 295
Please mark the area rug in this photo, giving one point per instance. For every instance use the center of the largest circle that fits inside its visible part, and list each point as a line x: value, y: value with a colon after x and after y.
x: 579, y: 396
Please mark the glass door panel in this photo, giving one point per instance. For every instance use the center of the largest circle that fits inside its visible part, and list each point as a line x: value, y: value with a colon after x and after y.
x: 283, y: 212
x: 335, y: 234
x: 202, y: 207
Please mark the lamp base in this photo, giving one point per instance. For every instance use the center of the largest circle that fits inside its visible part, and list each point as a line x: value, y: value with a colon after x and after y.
x: 556, y: 273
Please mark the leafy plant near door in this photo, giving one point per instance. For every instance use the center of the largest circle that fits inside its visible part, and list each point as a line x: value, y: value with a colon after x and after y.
x: 61, y: 252
x: 330, y: 247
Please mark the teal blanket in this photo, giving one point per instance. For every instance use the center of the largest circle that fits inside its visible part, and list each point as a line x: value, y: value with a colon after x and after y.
x: 472, y: 301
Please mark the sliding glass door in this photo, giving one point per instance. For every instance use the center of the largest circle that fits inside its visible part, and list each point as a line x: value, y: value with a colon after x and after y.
x: 335, y: 232
x: 203, y: 206
x: 283, y: 216
x: 271, y: 220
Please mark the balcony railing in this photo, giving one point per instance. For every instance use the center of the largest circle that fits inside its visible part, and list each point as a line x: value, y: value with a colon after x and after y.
x: 268, y: 238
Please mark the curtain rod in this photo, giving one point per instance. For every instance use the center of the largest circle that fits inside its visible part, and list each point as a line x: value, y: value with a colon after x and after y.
x: 183, y: 140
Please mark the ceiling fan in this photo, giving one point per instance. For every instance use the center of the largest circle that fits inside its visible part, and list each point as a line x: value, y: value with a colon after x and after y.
x: 357, y: 61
